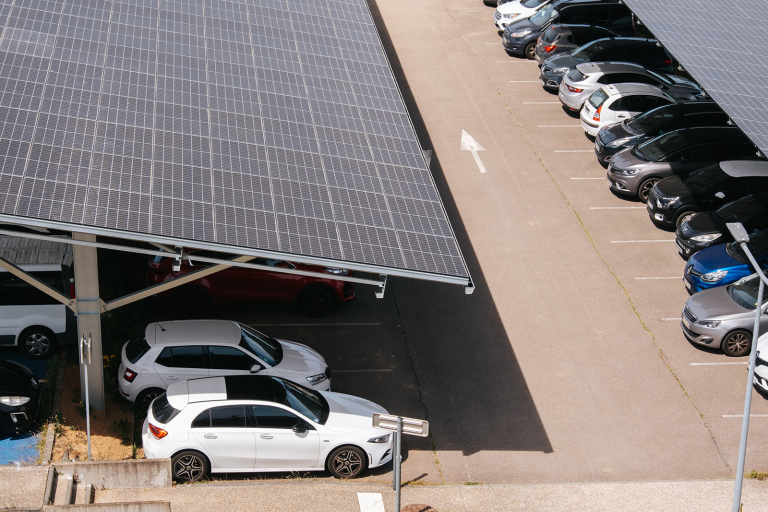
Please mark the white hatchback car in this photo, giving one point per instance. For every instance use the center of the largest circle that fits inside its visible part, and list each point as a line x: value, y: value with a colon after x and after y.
x: 251, y: 423
x: 615, y: 103
x: 168, y: 352
x: 516, y: 10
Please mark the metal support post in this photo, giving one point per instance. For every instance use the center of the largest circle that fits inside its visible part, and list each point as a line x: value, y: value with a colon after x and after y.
x: 85, y: 361
x: 398, y: 460
x: 89, y: 319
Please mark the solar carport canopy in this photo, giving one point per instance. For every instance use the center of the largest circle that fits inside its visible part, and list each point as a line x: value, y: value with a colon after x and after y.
x: 722, y: 44
x: 255, y: 127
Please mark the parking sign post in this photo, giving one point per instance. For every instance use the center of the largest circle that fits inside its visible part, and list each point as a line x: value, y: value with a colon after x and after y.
x: 401, y: 426
x: 85, y: 360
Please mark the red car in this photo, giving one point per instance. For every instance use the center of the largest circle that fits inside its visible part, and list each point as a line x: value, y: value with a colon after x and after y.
x: 314, y: 296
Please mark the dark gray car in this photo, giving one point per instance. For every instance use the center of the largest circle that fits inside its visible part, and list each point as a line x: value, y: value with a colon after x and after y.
x: 634, y: 171
x: 565, y: 38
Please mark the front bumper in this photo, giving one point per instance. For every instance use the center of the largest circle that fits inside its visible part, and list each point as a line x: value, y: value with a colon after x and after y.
x: 20, y: 417
x: 687, y: 248
x: 760, y: 379
x: 604, y: 153
x: 659, y: 216
x: 513, y: 45
x: 550, y: 80
x: 378, y: 455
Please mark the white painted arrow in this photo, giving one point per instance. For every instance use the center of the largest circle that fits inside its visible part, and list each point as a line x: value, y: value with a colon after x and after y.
x: 470, y: 144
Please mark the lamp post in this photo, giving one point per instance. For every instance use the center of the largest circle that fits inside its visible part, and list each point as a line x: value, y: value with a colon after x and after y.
x: 741, y: 236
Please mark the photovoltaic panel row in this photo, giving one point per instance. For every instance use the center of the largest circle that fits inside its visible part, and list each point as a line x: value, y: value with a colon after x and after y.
x: 265, y: 124
x: 722, y: 45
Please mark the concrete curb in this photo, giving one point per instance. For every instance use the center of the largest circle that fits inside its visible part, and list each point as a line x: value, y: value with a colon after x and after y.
x: 119, y: 474
x: 135, y: 506
x: 47, y: 452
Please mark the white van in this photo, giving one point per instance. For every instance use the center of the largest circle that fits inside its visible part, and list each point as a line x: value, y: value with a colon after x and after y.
x: 29, y: 318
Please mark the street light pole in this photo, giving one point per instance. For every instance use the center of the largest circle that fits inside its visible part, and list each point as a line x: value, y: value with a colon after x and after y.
x: 741, y: 236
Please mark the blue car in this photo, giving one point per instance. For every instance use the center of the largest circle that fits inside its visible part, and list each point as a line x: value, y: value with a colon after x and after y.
x: 724, y: 264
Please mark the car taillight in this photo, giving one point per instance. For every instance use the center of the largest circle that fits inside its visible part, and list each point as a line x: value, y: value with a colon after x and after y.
x: 549, y: 48
x: 72, y: 291
x: 129, y: 375
x: 596, y: 116
x: 668, y: 62
x: 157, y: 432
x: 573, y: 89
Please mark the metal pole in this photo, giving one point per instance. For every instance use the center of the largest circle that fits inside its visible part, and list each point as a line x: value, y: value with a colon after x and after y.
x: 399, y: 437
x: 748, y: 400
x: 87, y: 412
x: 395, y: 451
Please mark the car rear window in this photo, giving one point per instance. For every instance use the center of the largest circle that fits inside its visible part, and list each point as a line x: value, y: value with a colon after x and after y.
x: 576, y: 76
x: 162, y: 410
x: 136, y: 348
x: 549, y: 35
x: 587, y: 51
x: 598, y: 98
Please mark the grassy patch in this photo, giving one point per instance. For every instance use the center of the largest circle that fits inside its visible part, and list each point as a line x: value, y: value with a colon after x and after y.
x: 757, y: 475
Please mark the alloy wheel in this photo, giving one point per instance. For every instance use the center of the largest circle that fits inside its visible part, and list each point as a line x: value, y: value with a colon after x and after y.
x: 738, y: 343
x: 188, y: 468
x: 148, y: 400
x: 645, y: 189
x: 38, y: 344
x: 347, y: 463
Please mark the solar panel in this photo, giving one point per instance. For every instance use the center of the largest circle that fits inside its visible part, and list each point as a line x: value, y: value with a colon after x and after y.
x: 264, y: 125
x: 721, y: 44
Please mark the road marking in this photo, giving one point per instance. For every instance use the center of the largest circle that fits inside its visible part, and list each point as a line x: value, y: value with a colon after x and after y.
x: 560, y: 126
x: 364, y: 371
x: 370, y: 502
x: 741, y: 415
x: 523, y: 81
x: 541, y: 103
x: 574, y: 151
x: 601, y: 178
x: 616, y: 207
x: 670, y: 319
x: 516, y: 61
x: 648, y: 278
x: 317, y: 325
x: 492, y: 43
x: 720, y: 364
x: 470, y: 144
x: 638, y: 241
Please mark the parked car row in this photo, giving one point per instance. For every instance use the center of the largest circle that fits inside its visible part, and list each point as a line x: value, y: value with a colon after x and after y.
x: 665, y: 143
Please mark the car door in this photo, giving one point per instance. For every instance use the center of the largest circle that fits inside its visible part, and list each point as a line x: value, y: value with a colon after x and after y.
x: 228, y: 360
x: 265, y: 286
x: 176, y: 364
x: 278, y: 446
x: 625, y: 107
x: 227, y: 436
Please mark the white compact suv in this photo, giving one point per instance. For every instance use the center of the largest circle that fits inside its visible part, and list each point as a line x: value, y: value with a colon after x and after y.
x: 169, y: 352
x: 615, y: 103
x: 516, y: 10
x: 250, y: 423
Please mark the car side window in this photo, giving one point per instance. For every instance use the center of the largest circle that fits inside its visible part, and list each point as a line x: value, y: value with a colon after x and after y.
x: 706, y: 119
x: 651, y: 102
x: 615, y: 78
x: 732, y: 151
x: 701, y: 153
x: 641, y: 79
x: 228, y: 358
x: 274, y: 417
x: 615, y: 53
x: 181, y: 357
x: 229, y: 416
x: 203, y: 420
x: 630, y: 104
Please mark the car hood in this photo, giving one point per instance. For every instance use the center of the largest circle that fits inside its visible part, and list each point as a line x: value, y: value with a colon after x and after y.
x: 518, y: 25
x: 299, y: 359
x: 624, y: 159
x: 515, y: 8
x: 351, y: 414
x: 712, y: 259
x: 560, y: 61
x: 674, y: 186
x: 16, y: 379
x: 715, y: 303
x: 700, y: 224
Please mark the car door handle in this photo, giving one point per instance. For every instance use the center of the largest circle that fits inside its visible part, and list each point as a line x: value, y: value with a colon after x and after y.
x: 210, y: 436
x: 172, y: 377
x: 265, y: 436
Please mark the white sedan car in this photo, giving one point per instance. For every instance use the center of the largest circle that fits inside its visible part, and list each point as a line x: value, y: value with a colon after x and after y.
x: 168, y: 352
x: 516, y: 10
x: 250, y: 423
x: 615, y: 103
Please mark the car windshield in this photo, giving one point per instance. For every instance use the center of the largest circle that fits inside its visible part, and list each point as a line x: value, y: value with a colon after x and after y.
x: 653, y: 120
x: 664, y: 145
x: 705, y: 181
x: 543, y: 16
x: 162, y: 410
x: 302, y: 400
x: 262, y: 346
x: 743, y: 210
x: 136, y: 348
x: 598, y: 98
x: 530, y: 4
x: 758, y: 246
x: 661, y: 78
x: 744, y: 292
x: 588, y: 51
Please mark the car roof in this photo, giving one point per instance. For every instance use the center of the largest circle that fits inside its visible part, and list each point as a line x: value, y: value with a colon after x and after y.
x: 571, y: 27
x: 745, y: 168
x: 609, y: 67
x: 628, y: 89
x: 622, y: 41
x: 231, y: 387
x: 193, y: 332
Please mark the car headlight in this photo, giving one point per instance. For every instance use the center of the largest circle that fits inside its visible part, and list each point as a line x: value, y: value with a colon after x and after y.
x: 14, y: 400
x: 561, y: 71
x: 706, y: 238
x: 510, y: 16
x: 709, y: 323
x: 317, y: 379
x: 713, y: 277
x: 625, y: 172
x: 337, y: 271
x: 379, y: 440
x: 520, y: 34
x: 665, y: 202
x: 618, y: 142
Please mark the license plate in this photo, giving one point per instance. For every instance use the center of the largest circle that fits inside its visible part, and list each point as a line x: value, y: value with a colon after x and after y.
x: 542, y: 81
x: 610, y: 183
x: 680, y: 247
x: 650, y: 204
x: 687, y: 284
x: 686, y: 322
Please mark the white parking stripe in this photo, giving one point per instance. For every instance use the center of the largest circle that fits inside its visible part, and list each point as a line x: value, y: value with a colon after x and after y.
x: 617, y: 207
x: 720, y: 364
x: 516, y: 62
x: 559, y: 126
x: 647, y: 278
x: 741, y: 415
x: 541, y: 103
x: 363, y: 371
x: 316, y: 325
x: 370, y: 502
x: 492, y: 43
x: 523, y: 81
x: 601, y: 178
x: 669, y: 319
x: 638, y: 241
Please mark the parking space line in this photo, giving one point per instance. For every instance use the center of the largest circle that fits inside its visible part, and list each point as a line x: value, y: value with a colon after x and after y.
x: 364, y: 371
x: 541, y: 103
x: 654, y: 278
x: 616, y: 207
x: 559, y: 125
x: 523, y: 81
x: 370, y: 502
x: 600, y: 178
x: 638, y: 241
x: 721, y: 364
x: 670, y: 319
x: 741, y: 415
x: 517, y: 62
x: 574, y: 151
x: 492, y: 43
x: 317, y: 325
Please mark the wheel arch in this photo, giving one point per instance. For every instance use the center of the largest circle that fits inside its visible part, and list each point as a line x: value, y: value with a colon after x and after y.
x: 314, y: 286
x: 344, y: 445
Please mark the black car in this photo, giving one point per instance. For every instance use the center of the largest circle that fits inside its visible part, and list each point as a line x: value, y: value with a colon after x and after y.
x: 19, y: 396
x: 520, y: 36
x: 641, y: 128
x: 709, y: 228
x: 645, y: 52
x: 674, y: 200
x: 565, y: 38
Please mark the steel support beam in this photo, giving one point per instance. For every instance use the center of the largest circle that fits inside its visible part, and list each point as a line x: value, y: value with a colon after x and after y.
x: 89, y: 307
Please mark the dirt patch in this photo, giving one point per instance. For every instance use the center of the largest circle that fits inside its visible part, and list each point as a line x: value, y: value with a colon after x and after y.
x: 111, y: 433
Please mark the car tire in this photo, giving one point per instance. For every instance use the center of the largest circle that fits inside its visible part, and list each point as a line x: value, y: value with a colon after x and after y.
x: 684, y: 217
x: 37, y: 342
x: 530, y: 50
x: 189, y: 466
x: 737, y: 343
x: 316, y: 302
x: 189, y: 303
x: 347, y: 462
x: 645, y: 188
x: 145, y: 397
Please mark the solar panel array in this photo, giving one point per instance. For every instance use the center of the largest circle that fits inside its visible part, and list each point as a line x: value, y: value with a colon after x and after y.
x: 722, y: 45
x: 266, y: 124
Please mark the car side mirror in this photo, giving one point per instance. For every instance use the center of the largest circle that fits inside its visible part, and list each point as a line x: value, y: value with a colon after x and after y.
x: 720, y: 195
x: 256, y: 368
x: 300, y: 428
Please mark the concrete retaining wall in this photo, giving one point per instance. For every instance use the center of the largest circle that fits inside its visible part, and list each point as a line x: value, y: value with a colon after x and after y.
x: 119, y: 474
x: 136, y: 506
